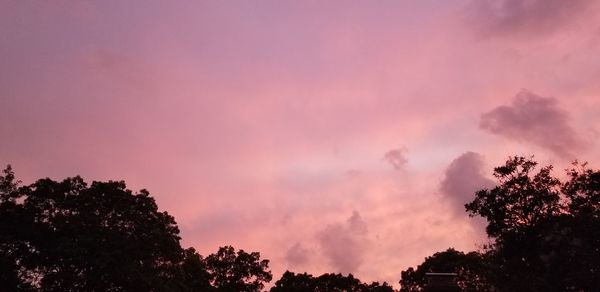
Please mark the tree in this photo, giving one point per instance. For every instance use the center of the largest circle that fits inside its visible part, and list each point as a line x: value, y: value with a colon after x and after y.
x: 522, y: 199
x: 582, y: 191
x: 291, y: 282
x: 376, y: 287
x: 471, y: 269
x: 194, y: 276
x: 10, y: 274
x: 545, y: 232
x: 71, y: 236
x: 231, y: 271
x: 59, y: 236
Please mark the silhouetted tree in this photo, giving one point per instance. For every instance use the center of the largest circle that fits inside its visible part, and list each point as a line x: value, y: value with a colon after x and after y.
x: 376, y: 287
x: 338, y: 282
x: 471, y: 269
x: 231, y: 271
x: 291, y: 282
x: 59, y: 236
x: 10, y: 256
x: 546, y: 233
x: 582, y: 191
x: 71, y: 236
x: 193, y: 274
x: 521, y: 200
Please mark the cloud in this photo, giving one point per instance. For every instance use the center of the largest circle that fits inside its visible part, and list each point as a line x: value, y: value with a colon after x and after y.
x: 534, y: 119
x: 344, y: 244
x: 463, y: 177
x: 396, y: 157
x: 297, y: 255
x: 526, y: 18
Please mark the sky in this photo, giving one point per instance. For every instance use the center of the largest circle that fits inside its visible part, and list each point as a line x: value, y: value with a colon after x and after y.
x: 330, y: 136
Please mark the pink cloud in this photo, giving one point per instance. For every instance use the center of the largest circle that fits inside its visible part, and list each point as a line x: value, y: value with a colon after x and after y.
x: 396, y: 157
x: 466, y: 175
x: 463, y: 177
x: 297, y: 256
x: 344, y: 244
x: 527, y: 19
x: 535, y: 119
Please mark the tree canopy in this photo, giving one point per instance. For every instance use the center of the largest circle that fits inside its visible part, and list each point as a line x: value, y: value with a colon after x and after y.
x: 544, y: 232
x: 292, y: 282
x: 231, y: 271
x: 68, y: 235
x: 470, y: 268
x: 71, y: 236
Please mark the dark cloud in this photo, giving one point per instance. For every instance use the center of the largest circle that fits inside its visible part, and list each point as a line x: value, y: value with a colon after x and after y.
x: 344, y: 244
x: 463, y: 177
x: 396, y: 157
x: 534, y: 119
x: 297, y: 255
x: 524, y: 18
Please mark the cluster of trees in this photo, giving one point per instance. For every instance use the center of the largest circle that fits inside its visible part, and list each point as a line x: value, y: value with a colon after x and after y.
x: 545, y: 234
x: 292, y: 282
x: 70, y: 236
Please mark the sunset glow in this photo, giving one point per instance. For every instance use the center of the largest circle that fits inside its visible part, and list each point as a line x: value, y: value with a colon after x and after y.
x: 330, y: 136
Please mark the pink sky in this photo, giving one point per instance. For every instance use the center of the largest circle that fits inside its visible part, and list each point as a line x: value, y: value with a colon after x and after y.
x: 331, y: 136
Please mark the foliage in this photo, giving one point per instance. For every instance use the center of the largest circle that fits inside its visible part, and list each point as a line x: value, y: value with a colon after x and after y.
x: 470, y: 268
x: 193, y: 274
x: 68, y: 235
x: 545, y: 233
x: 291, y: 282
x: 231, y: 271
x: 521, y: 200
x: 71, y: 236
